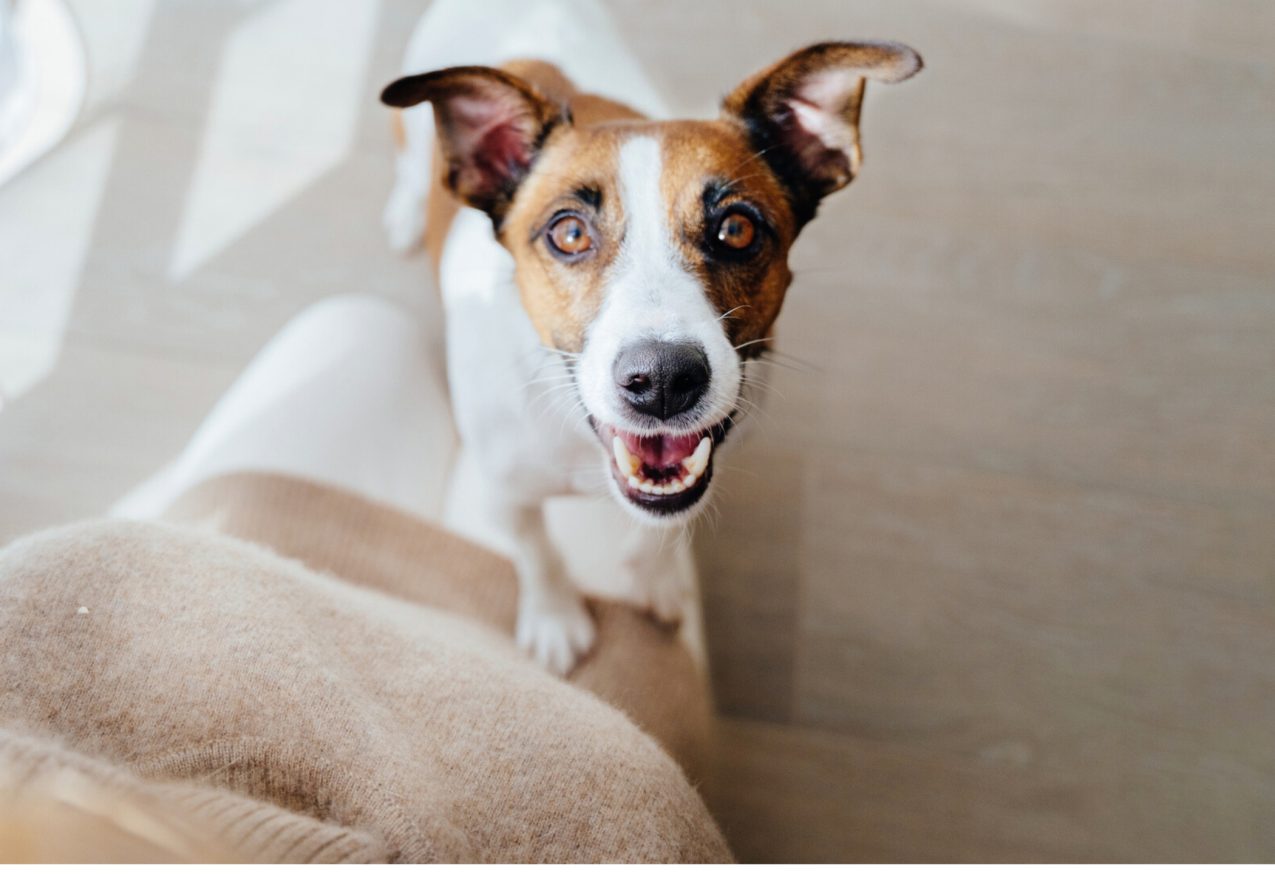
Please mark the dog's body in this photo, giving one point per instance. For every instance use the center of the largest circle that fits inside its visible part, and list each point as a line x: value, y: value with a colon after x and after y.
x: 634, y: 271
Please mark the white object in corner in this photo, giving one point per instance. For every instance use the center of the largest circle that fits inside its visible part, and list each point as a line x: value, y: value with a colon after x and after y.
x: 43, y: 75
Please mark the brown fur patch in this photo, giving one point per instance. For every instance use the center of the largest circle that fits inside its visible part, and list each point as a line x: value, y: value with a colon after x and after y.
x: 710, y: 169
x: 441, y: 207
x: 756, y: 159
x: 550, y: 306
x: 563, y: 298
x: 397, y: 130
x: 698, y: 157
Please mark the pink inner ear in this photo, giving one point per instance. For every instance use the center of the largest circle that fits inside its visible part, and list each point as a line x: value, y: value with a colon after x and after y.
x: 502, y: 151
x: 830, y: 165
x: 828, y: 90
x: 817, y: 130
x: 492, y: 137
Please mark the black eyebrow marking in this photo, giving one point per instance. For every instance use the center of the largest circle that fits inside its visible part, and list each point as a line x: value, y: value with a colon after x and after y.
x: 589, y: 194
x: 715, y: 191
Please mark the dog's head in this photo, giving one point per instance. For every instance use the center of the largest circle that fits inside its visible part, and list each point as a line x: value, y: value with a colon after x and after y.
x: 654, y: 254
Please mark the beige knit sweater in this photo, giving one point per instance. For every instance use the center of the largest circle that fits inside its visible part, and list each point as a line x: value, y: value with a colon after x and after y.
x: 341, y: 689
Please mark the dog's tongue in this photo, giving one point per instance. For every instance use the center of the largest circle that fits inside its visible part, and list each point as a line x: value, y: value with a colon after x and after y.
x: 661, y: 451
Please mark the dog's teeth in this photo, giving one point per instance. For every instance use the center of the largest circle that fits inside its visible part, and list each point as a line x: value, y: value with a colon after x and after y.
x: 698, y: 461
x: 624, y: 460
x: 689, y: 480
x: 650, y: 487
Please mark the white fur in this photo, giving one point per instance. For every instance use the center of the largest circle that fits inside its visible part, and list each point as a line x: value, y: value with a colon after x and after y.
x: 652, y: 295
x: 519, y: 420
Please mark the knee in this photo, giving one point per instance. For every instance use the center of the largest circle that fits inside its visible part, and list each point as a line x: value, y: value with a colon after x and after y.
x: 57, y: 571
x: 351, y: 337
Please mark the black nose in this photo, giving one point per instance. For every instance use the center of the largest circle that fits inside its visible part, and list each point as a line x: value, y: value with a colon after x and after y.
x: 661, y: 379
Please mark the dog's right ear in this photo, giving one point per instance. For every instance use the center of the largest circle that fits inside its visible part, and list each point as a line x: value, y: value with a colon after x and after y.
x: 802, y: 114
x: 490, y: 127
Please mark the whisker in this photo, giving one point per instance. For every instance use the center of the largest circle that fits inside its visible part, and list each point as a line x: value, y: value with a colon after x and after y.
x: 561, y: 352
x: 755, y: 409
x: 792, y: 367
x: 766, y: 389
x: 772, y: 357
x: 553, y: 391
x: 736, y: 180
x: 553, y: 377
x: 753, y: 379
x: 753, y: 157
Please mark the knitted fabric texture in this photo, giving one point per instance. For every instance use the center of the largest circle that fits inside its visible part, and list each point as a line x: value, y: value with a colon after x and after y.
x: 342, y: 689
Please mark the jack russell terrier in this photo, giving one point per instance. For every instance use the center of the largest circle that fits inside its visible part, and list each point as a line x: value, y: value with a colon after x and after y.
x: 629, y: 268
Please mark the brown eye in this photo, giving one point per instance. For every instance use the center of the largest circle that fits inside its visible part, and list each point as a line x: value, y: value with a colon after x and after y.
x: 570, y: 235
x: 736, y: 231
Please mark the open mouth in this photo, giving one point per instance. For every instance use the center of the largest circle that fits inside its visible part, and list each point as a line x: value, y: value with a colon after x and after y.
x: 663, y: 473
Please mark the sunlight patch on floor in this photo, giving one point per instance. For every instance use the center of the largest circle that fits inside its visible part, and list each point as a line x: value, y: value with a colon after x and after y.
x: 284, y: 111
x: 46, y: 225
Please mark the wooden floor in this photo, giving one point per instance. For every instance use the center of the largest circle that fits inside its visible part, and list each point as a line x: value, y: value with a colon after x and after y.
x: 994, y: 578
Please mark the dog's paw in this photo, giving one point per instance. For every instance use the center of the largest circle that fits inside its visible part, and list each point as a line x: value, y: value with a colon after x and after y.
x: 662, y: 593
x: 404, y: 219
x: 668, y: 594
x: 555, y: 630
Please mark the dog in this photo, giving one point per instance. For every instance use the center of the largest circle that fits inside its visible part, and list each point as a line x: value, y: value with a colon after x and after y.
x: 633, y: 266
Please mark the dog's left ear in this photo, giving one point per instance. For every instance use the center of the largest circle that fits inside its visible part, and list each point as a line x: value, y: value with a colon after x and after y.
x: 802, y: 113
x: 490, y: 126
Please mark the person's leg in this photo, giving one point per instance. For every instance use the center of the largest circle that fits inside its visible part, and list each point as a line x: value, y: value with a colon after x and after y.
x: 345, y: 394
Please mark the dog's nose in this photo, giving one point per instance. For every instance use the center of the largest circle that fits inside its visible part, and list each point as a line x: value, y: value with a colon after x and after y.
x: 662, y: 379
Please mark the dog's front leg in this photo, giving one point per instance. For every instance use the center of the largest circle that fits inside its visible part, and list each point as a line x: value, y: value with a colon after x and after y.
x: 652, y: 577
x: 554, y: 626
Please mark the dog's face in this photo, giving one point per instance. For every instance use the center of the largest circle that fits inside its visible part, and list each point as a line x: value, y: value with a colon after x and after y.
x: 654, y: 254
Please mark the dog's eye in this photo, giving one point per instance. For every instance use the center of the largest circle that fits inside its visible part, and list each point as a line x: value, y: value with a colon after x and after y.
x: 570, y: 236
x: 736, y: 231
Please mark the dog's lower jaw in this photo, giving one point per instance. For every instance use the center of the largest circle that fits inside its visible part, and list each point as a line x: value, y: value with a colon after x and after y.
x: 659, y: 479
